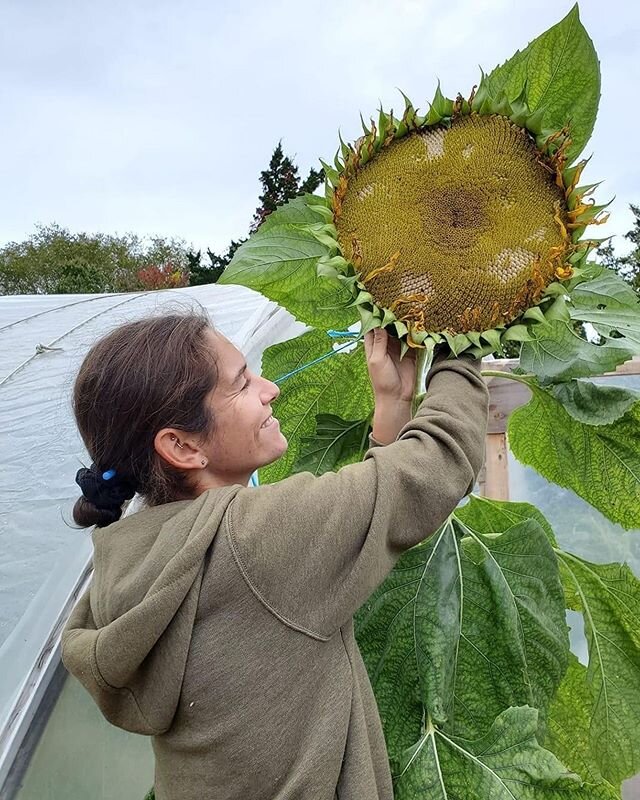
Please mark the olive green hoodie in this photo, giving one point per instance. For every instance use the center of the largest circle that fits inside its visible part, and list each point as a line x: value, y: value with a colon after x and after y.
x: 222, y: 626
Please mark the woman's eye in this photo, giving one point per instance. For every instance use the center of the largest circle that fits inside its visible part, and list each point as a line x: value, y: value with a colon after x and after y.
x: 246, y: 386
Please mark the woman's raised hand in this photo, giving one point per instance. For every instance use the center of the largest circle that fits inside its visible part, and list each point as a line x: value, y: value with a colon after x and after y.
x: 393, y: 379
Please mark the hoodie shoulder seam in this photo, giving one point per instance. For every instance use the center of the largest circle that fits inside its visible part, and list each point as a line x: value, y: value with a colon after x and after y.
x: 107, y: 687
x: 240, y: 563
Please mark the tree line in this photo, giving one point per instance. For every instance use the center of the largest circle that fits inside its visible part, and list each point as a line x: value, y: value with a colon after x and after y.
x: 53, y: 260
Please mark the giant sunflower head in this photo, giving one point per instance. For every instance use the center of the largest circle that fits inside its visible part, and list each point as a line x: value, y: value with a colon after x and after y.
x: 456, y: 224
x: 464, y: 224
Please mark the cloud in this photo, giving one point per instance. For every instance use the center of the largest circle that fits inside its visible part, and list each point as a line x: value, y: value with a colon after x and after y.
x: 157, y: 117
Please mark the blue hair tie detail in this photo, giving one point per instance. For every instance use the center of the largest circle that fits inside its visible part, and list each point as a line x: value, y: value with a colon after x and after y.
x: 107, y: 489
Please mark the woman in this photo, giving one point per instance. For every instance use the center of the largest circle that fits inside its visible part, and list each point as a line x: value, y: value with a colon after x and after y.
x: 219, y: 620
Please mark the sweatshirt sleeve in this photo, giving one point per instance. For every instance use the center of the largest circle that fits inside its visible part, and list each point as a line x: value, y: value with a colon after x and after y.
x: 313, y: 549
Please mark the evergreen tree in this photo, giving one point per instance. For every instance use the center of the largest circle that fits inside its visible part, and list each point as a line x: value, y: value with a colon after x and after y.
x: 280, y: 182
x: 607, y: 256
x: 629, y: 265
x: 201, y: 273
x: 312, y: 181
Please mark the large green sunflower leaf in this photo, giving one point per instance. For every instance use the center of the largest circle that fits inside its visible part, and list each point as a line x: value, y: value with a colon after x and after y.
x: 299, y: 211
x: 610, y: 305
x: 462, y: 629
x: 608, y: 595
x: 484, y: 515
x: 600, y: 463
x: 569, y: 716
x: 336, y: 442
x: 568, y: 728
x: 626, y: 321
x: 560, y: 73
x: 594, y: 405
x: 505, y: 764
x: 318, y: 389
x: 605, y: 288
x: 557, y: 353
x: 280, y: 261
x: 526, y: 630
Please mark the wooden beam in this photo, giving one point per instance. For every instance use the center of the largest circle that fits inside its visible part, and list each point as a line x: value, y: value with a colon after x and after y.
x: 631, y: 367
x: 628, y: 368
x: 506, y: 395
x: 496, y: 471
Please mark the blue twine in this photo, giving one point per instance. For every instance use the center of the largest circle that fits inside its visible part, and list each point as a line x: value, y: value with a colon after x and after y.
x: 315, y: 361
x: 343, y: 334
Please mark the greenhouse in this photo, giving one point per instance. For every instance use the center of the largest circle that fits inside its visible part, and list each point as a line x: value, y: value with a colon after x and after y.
x: 48, y: 722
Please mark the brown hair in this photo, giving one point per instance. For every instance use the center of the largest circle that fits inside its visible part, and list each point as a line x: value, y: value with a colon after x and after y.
x: 143, y: 376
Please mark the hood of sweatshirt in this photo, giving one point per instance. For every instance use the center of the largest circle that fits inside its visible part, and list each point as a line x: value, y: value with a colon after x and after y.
x: 128, y: 638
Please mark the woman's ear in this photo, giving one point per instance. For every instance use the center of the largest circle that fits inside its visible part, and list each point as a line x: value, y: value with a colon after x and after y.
x: 178, y: 449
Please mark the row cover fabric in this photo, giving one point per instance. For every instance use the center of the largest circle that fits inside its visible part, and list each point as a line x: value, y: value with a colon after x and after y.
x: 42, y: 554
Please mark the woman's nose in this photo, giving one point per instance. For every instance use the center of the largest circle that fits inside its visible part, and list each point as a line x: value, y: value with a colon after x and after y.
x: 271, y: 390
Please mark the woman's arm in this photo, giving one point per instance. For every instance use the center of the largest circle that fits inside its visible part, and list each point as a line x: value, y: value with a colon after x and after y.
x: 388, y: 420
x: 313, y: 549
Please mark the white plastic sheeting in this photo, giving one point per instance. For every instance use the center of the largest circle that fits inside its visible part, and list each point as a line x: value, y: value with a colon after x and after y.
x: 41, y: 555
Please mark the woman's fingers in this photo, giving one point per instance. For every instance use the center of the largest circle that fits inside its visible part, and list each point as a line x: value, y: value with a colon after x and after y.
x: 368, y: 343
x: 375, y: 343
x: 380, y: 338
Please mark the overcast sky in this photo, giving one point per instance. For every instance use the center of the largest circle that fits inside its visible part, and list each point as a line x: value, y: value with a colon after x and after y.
x: 157, y: 117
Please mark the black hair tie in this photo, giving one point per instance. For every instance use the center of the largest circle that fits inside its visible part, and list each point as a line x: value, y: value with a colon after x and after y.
x: 106, y: 490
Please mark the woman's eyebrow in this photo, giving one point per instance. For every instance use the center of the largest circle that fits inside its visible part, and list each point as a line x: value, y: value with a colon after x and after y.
x: 239, y: 373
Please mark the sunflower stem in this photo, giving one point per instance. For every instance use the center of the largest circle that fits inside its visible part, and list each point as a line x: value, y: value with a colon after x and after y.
x: 424, y: 358
x: 497, y: 373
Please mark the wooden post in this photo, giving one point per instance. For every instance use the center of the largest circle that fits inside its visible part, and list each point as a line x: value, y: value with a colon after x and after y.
x: 505, y: 396
x: 496, y: 477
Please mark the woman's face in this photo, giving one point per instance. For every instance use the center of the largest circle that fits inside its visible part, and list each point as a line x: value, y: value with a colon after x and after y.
x: 246, y: 435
